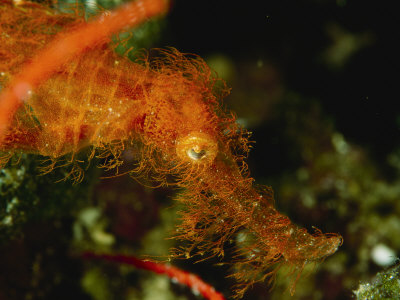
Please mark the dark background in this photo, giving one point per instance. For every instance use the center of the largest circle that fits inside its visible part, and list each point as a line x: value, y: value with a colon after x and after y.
x: 361, y: 95
x: 301, y: 72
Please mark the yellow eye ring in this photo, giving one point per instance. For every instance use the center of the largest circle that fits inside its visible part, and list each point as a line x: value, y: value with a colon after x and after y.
x: 197, y: 147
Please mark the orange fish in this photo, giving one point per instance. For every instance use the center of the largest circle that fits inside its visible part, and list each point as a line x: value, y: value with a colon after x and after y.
x: 63, y: 92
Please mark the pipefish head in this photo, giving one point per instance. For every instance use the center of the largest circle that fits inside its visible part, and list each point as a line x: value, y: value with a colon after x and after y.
x: 184, y: 116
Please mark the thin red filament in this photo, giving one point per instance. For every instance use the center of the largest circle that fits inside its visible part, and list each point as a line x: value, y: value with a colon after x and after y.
x: 192, y: 281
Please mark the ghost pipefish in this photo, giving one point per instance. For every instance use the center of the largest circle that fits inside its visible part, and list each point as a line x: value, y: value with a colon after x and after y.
x: 170, y: 106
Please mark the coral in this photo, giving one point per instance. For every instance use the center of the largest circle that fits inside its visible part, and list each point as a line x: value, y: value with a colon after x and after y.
x: 28, y: 198
x: 386, y: 285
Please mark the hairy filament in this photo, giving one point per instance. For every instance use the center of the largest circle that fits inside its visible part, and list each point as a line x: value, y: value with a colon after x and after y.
x: 222, y: 203
x: 66, y: 46
x: 166, y: 112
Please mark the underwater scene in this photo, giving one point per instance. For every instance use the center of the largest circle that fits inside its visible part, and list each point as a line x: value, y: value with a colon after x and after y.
x: 157, y: 150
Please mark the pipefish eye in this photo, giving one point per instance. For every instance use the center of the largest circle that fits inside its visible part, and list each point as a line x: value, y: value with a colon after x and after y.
x: 193, y: 154
x: 197, y: 147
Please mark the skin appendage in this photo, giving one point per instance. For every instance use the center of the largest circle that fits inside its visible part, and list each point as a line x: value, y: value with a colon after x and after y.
x: 65, y: 90
x: 75, y: 42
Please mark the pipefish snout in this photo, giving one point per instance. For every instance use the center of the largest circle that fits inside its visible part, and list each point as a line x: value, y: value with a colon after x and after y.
x: 169, y: 110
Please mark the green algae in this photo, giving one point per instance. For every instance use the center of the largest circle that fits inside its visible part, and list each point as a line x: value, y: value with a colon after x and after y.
x: 385, y: 286
x: 29, y: 196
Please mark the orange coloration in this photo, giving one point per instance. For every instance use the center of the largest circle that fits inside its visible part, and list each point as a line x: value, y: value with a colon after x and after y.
x: 167, y: 111
x: 66, y: 46
x: 197, y: 147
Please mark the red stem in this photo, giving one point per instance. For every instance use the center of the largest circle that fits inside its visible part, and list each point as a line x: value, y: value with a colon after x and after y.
x: 183, y: 277
x: 66, y: 46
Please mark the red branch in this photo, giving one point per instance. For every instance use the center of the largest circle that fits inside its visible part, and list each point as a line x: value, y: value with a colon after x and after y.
x: 192, y: 281
x: 66, y: 46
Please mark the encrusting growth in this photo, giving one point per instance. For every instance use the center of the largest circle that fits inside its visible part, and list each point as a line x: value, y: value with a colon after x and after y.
x: 167, y: 112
